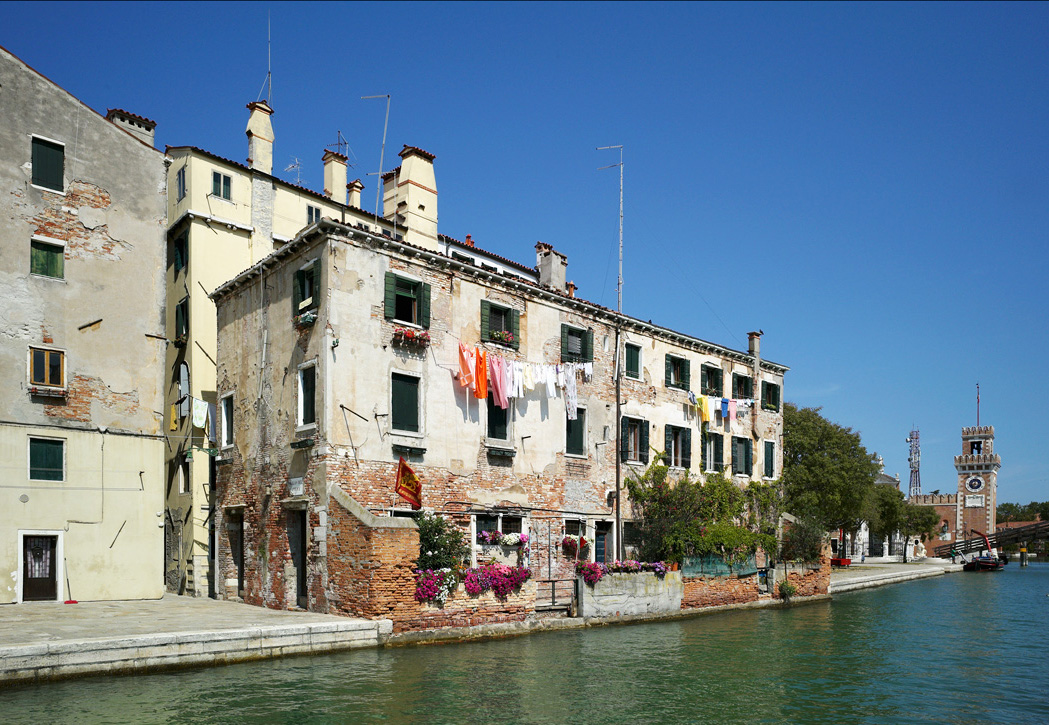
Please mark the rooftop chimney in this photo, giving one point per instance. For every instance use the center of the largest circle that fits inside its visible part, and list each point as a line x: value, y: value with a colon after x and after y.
x: 138, y: 126
x: 260, y: 137
x: 552, y: 267
x: 571, y: 289
x: 335, y: 185
x: 410, y: 197
x: 755, y: 342
x: 469, y: 241
x: 355, y: 188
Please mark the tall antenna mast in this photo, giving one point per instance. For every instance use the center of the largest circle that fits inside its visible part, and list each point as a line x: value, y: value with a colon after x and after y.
x: 267, y: 85
x: 977, y: 405
x: 382, y: 152
x: 619, y: 367
x: 915, y: 461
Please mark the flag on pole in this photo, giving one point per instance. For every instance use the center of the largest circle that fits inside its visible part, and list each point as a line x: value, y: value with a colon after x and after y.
x: 408, y: 486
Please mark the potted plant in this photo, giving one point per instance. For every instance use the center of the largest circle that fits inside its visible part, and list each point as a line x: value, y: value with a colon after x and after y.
x: 408, y: 337
x: 504, y: 336
x: 571, y: 544
x: 305, y: 319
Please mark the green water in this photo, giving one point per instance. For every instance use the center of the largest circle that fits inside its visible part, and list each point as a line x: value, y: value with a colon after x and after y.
x: 962, y: 648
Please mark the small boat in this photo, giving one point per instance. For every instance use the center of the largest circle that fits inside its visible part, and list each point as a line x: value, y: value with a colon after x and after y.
x: 991, y: 562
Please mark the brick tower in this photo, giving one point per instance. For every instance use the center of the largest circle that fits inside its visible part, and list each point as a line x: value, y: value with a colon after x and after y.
x: 977, y: 468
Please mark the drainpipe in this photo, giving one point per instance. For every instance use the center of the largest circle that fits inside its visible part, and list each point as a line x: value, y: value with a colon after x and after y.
x: 754, y: 339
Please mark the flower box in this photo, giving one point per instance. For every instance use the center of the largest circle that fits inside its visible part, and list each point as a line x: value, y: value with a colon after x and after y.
x: 407, y: 337
x: 305, y: 319
x: 504, y: 337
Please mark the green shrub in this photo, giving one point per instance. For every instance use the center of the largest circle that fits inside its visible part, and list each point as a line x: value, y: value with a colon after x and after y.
x: 442, y: 545
x: 787, y: 590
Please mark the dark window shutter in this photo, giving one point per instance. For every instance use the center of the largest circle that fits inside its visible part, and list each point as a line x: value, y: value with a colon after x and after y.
x: 424, y: 307
x: 770, y: 459
x: 515, y: 328
x: 643, y: 453
x: 316, y: 271
x: 624, y: 430
x: 588, y: 341
x: 703, y: 379
x: 405, y: 403
x: 703, y: 438
x: 486, y: 320
x: 564, y: 342
x: 764, y: 393
x: 390, y: 296
x: 688, y: 374
x: 719, y: 451
x: 748, y: 445
x: 670, y: 371
x: 180, y: 319
x: 48, y: 164
x: 735, y: 385
x: 296, y: 292
x: 216, y: 184
x: 686, y: 448
x: 668, y: 441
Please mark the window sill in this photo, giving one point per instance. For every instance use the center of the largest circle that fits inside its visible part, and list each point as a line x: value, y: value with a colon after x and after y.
x: 305, y: 428
x: 500, y: 449
x: 628, y: 376
x: 45, y: 391
x: 33, y: 275
x: 60, y: 192
x: 577, y: 456
x: 408, y: 451
x: 405, y: 323
x: 220, y: 198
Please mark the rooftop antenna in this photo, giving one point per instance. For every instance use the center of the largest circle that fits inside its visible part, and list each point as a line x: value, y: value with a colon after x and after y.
x: 382, y: 152
x: 341, y: 146
x: 977, y: 405
x: 618, y: 367
x: 269, y: 66
x: 295, y: 166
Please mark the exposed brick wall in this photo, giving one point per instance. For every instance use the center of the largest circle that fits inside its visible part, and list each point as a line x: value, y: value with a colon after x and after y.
x: 809, y: 582
x: 464, y: 610
x: 719, y: 590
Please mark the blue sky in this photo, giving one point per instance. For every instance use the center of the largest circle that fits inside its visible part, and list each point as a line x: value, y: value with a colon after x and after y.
x: 866, y: 183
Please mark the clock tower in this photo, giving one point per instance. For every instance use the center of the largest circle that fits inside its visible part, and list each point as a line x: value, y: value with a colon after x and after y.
x: 977, y: 468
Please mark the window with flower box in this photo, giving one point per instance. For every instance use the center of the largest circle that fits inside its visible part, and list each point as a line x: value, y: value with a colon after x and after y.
x: 305, y: 295
x: 500, y: 324
x: 677, y: 372
x: 710, y: 382
x: 769, y: 396
x: 407, y: 300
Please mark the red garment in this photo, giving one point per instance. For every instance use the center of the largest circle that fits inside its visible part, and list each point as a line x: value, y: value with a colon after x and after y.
x: 480, y: 374
x: 466, y: 373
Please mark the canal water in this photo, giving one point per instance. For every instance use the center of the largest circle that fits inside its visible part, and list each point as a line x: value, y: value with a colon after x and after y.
x: 961, y: 648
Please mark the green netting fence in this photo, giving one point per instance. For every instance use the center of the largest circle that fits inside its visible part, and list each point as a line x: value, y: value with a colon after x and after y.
x: 716, y: 566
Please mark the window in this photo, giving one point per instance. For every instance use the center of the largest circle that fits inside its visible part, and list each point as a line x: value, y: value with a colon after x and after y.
x: 500, y: 324
x: 742, y: 386
x: 182, y: 472
x: 183, y: 389
x: 633, y: 441
x: 677, y: 372
x: 306, y: 283
x: 575, y: 527
x: 49, y: 159
x: 713, y: 452
x: 307, y: 394
x: 769, y: 396
x: 486, y: 523
x: 405, y: 403
x: 498, y: 421
x: 47, y: 459
x: 741, y: 456
x: 407, y: 300
x: 678, y: 447
x: 976, y: 448
x: 511, y: 524
x: 47, y: 367
x: 711, y: 380
x: 770, y: 459
x: 633, y: 361
x: 577, y: 344
x: 462, y: 258
x: 313, y: 214
x: 226, y: 437
x: 180, y: 184
x: 220, y: 185
x: 182, y: 318
x: 47, y: 259
x: 180, y: 250
x: 502, y: 523
x: 575, y: 434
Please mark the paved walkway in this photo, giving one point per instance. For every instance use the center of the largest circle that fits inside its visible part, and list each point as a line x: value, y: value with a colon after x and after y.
x: 45, y: 640
x: 875, y: 574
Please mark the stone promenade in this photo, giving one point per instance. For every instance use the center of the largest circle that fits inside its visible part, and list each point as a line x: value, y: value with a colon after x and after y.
x: 46, y: 640
x: 871, y: 574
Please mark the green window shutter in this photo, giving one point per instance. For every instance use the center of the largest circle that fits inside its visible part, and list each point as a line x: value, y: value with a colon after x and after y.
x: 45, y: 459
x: 216, y: 183
x: 719, y: 451
x: 48, y: 164
x: 633, y: 361
x: 486, y: 320
x: 405, y: 413
x: 180, y: 320
x: 316, y: 271
x: 564, y: 342
x: 686, y: 448
x: 424, y: 307
x: 703, y: 438
x: 770, y: 459
x: 296, y: 291
x: 515, y: 328
x: 624, y: 430
x: 703, y: 379
x: 688, y: 375
x: 776, y: 399
x: 588, y: 351
x: 643, y: 453
x: 226, y: 181
x: 735, y: 384
x: 669, y: 371
x: 748, y: 446
x: 764, y: 393
x: 668, y: 442
x: 390, y: 296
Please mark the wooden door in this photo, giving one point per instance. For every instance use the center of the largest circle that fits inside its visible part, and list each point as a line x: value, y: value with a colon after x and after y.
x: 297, y: 545
x: 39, y: 570
x: 603, y: 553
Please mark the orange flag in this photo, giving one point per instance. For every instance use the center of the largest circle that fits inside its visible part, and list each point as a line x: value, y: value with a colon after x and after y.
x: 409, y: 487
x: 466, y: 375
x: 480, y: 374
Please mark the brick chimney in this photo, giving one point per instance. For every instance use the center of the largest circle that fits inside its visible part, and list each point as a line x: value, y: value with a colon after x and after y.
x: 138, y: 126
x: 355, y: 188
x: 335, y: 185
x: 410, y: 197
x: 552, y: 267
x: 260, y: 137
x: 469, y: 241
x: 754, y: 340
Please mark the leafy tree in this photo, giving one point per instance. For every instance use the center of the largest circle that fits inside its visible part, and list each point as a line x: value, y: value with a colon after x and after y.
x: 442, y: 545
x: 884, y: 509
x: 827, y: 473
x: 1027, y: 512
x: 802, y: 541
x: 917, y: 521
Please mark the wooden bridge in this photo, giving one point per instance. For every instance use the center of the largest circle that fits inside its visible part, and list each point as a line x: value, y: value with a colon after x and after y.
x: 998, y: 539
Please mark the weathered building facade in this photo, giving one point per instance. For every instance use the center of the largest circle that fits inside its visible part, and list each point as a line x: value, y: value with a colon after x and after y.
x: 339, y: 354
x: 82, y: 346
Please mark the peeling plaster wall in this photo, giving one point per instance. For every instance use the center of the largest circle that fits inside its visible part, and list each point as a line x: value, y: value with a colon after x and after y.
x: 110, y: 216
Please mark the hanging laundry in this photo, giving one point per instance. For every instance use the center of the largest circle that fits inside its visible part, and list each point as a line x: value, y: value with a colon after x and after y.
x: 174, y: 416
x: 211, y: 422
x: 550, y: 375
x: 499, y: 382
x: 529, y: 376
x: 480, y: 374
x: 466, y: 373
x: 571, y: 395
x: 692, y: 399
x: 732, y: 411
x: 200, y: 413
x: 561, y: 377
x: 588, y: 371
x: 519, y: 379
x: 724, y: 407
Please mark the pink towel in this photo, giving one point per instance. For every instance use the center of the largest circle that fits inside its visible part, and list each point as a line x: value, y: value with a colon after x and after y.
x: 498, y: 382
x: 732, y: 411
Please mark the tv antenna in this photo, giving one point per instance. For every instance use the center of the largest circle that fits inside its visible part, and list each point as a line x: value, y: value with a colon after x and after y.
x: 341, y: 146
x: 382, y: 152
x: 295, y: 166
x: 269, y: 66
